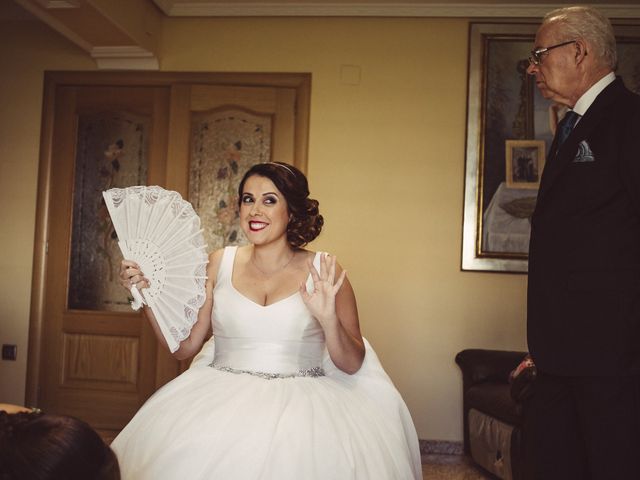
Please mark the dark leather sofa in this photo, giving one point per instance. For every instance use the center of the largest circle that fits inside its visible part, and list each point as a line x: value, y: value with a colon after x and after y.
x: 492, y: 419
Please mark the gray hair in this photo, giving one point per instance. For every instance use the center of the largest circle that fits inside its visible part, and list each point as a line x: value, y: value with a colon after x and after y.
x: 588, y: 24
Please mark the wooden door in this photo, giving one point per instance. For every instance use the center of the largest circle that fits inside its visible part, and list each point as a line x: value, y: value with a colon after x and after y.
x: 98, y: 356
x: 90, y: 355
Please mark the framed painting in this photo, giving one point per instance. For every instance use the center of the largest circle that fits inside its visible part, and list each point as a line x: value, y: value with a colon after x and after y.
x: 509, y: 128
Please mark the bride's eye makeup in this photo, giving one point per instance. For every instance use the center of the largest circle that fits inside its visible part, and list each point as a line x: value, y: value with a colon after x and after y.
x: 270, y: 200
x: 247, y: 198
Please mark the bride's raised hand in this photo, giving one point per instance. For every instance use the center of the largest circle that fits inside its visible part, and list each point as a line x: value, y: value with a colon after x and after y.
x: 321, y: 302
x: 130, y: 275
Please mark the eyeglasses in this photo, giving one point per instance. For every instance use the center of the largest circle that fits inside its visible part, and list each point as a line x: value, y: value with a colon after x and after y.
x: 536, y: 55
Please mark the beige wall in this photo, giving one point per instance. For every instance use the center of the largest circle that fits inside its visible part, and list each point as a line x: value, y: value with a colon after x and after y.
x: 26, y: 50
x: 386, y: 161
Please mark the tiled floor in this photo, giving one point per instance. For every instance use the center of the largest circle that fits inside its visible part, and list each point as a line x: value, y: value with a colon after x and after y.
x: 450, y: 467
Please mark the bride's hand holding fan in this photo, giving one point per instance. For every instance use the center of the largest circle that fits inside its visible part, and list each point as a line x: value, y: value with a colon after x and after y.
x: 161, y: 240
x: 132, y: 276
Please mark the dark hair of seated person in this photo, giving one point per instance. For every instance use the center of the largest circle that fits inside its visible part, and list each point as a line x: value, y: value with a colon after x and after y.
x: 37, y: 446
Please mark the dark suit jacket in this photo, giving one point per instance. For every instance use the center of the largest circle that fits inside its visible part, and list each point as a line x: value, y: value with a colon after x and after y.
x: 584, y: 259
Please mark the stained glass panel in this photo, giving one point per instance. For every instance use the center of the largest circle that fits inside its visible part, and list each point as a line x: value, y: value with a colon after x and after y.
x: 224, y: 144
x: 111, y: 151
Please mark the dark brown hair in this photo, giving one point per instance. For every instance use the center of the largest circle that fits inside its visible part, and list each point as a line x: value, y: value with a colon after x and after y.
x: 36, y: 446
x: 305, y: 222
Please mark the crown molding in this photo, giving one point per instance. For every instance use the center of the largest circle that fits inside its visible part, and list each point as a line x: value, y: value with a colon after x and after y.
x: 124, y: 58
x: 322, y: 9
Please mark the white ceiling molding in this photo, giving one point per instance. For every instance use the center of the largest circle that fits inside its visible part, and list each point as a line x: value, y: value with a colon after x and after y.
x: 322, y: 9
x: 124, y: 58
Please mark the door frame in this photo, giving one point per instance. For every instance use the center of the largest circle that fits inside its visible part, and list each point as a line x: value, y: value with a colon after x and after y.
x: 301, y: 82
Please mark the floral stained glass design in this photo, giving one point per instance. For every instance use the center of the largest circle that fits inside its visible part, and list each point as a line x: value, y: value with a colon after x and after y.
x: 111, y: 151
x: 224, y: 144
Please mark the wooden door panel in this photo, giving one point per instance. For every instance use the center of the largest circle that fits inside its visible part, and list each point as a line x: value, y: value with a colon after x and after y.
x: 57, y: 248
x: 283, y: 144
x: 208, y: 97
x: 106, y: 416
x: 101, y: 362
x: 279, y: 102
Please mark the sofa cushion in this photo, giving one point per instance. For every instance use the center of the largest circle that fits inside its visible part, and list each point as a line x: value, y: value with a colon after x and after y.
x: 494, y: 399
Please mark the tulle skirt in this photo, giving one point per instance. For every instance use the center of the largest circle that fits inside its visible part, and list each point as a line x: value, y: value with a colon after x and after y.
x: 212, y: 424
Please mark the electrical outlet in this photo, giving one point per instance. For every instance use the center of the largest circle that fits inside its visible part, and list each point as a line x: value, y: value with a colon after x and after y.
x: 9, y: 352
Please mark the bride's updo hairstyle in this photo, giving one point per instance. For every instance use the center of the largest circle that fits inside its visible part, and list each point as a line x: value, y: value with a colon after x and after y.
x: 305, y: 221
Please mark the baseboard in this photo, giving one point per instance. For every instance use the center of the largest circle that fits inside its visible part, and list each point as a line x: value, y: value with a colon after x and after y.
x: 440, y: 447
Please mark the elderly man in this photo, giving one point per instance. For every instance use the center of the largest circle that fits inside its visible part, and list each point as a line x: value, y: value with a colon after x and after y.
x: 583, y: 421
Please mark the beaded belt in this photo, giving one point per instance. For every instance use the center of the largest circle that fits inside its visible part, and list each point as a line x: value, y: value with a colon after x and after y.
x: 305, y: 372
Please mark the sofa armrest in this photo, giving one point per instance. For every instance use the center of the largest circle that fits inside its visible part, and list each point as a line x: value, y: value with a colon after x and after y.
x: 487, y: 365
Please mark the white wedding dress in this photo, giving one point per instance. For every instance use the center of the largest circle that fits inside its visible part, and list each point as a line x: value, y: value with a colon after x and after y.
x: 271, y: 406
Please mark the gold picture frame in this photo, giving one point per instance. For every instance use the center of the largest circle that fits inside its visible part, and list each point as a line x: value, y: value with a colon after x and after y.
x: 524, y: 163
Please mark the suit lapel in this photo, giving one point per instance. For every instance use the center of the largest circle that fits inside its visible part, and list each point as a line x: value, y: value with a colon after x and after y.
x: 585, y: 126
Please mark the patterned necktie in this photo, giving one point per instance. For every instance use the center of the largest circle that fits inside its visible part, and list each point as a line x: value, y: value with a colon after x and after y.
x: 565, y: 126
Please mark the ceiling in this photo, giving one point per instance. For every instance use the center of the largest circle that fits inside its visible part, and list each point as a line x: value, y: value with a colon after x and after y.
x: 389, y: 8
x: 125, y: 34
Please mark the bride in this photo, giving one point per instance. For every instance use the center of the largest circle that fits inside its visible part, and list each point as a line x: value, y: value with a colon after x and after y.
x: 287, y: 388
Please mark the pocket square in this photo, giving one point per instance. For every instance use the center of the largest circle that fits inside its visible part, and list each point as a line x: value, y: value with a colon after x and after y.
x: 584, y: 153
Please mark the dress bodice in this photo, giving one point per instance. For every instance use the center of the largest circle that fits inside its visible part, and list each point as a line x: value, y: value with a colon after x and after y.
x: 282, y: 338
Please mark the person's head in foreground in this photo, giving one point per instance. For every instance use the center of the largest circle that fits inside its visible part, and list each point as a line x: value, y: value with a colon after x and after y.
x: 38, y: 446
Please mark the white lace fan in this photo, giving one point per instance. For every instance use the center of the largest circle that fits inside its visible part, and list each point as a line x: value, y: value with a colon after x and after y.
x: 161, y: 232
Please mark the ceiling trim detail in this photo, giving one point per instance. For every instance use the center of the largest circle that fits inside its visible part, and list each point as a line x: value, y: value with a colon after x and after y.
x: 124, y: 58
x: 280, y: 9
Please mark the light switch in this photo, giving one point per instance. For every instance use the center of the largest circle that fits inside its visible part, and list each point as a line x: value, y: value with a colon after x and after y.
x: 9, y: 352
